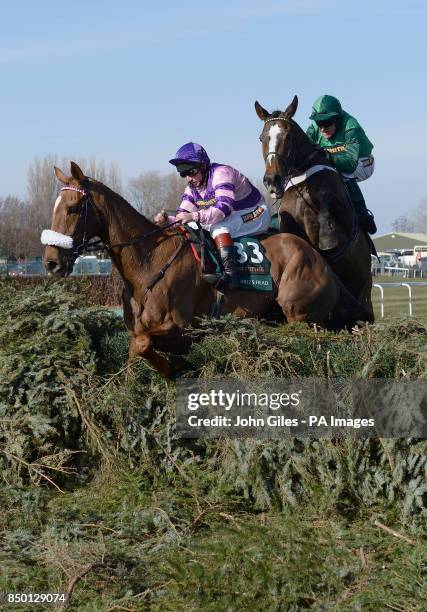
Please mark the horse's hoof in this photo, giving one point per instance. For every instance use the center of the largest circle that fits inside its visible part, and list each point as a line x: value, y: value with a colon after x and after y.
x: 177, y: 367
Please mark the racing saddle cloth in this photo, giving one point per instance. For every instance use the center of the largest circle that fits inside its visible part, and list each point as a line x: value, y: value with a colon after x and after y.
x: 253, y: 267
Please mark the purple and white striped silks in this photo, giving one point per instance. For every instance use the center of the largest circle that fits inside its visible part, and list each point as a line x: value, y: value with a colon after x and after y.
x: 226, y: 191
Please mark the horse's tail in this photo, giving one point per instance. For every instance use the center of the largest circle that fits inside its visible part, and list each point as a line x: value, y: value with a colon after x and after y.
x: 349, y: 311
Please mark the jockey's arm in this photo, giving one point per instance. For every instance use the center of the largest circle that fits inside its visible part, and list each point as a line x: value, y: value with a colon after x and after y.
x: 189, y: 211
x: 345, y: 157
x: 210, y: 215
x: 205, y: 216
x: 222, y: 206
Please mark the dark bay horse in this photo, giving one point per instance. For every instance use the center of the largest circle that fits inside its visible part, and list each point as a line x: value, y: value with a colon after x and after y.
x: 314, y: 201
x: 164, y: 290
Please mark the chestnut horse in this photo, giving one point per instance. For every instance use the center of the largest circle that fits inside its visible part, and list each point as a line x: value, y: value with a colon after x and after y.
x: 314, y: 201
x: 164, y: 289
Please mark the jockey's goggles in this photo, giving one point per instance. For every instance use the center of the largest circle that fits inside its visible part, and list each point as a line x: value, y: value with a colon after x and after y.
x: 190, y: 172
x: 326, y: 122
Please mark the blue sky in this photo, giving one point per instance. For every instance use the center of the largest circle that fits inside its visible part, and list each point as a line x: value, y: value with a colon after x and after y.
x: 131, y: 81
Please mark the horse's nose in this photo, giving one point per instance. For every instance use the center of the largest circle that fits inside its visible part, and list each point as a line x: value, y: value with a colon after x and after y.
x: 52, y: 266
x: 273, y: 182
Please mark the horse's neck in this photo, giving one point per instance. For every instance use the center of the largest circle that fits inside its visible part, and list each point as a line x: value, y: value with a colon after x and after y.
x: 123, y: 224
x: 305, y: 151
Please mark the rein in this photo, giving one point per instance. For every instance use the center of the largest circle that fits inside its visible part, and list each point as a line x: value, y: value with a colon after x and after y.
x: 160, y: 274
x: 86, y: 245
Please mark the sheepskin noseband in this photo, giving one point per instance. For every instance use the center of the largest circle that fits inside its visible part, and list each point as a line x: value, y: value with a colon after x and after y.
x: 51, y: 238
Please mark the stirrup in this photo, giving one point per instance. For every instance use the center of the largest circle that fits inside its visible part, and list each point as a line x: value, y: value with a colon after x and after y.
x: 229, y: 281
x: 222, y: 281
x: 216, y: 310
x: 212, y: 278
x: 233, y: 281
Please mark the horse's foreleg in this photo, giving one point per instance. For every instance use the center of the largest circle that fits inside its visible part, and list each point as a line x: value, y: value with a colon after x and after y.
x: 292, y: 308
x: 141, y: 345
x: 303, y: 302
x: 167, y: 337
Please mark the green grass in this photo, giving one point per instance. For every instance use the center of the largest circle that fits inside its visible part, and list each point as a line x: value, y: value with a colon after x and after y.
x: 186, y: 544
x: 160, y: 523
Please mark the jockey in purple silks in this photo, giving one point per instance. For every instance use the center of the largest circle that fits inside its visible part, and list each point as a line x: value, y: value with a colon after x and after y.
x: 222, y: 200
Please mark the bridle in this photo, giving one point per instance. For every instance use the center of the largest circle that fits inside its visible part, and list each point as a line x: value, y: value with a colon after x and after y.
x: 82, y: 210
x: 86, y: 245
x: 290, y: 160
x: 89, y: 245
x: 291, y: 156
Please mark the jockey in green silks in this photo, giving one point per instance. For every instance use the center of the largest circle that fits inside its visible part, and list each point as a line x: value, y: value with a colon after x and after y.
x: 347, y: 148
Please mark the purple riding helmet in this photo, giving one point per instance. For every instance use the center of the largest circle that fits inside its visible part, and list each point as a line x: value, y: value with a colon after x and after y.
x: 191, y: 154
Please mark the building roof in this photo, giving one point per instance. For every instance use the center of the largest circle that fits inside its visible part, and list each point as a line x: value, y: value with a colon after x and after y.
x: 399, y: 240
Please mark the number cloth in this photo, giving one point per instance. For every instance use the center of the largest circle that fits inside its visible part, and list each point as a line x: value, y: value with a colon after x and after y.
x: 251, y: 260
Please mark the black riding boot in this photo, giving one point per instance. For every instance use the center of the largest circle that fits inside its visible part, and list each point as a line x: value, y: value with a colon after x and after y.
x: 228, y: 257
x: 367, y: 221
x: 364, y: 216
x: 229, y: 277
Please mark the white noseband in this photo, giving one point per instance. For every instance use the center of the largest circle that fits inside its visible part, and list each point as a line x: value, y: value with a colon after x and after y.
x: 51, y: 238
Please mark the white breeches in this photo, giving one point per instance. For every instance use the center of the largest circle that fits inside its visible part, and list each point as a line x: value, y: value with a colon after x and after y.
x: 364, y: 169
x: 247, y: 222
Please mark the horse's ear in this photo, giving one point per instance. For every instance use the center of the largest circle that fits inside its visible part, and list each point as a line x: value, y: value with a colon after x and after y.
x: 63, y: 178
x: 76, y: 172
x: 261, y: 112
x: 292, y: 108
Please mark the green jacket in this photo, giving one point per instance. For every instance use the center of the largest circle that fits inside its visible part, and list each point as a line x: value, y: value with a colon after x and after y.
x: 346, y: 146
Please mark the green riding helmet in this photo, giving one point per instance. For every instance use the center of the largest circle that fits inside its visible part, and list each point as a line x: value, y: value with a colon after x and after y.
x: 325, y: 108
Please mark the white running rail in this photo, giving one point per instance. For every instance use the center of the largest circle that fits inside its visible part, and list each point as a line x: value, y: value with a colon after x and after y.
x: 408, y: 286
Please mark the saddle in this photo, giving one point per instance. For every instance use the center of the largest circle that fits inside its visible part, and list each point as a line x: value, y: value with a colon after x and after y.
x: 253, y: 266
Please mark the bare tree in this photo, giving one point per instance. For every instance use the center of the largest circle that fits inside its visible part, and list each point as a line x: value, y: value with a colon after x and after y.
x: 151, y: 191
x: 43, y: 187
x: 97, y: 170
x: 421, y: 216
x: 18, y: 238
x: 413, y: 221
x: 113, y: 179
x: 175, y: 186
x: 42, y: 191
x: 403, y: 224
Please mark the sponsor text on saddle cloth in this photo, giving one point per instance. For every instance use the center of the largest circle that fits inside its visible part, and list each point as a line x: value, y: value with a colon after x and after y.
x: 253, y: 267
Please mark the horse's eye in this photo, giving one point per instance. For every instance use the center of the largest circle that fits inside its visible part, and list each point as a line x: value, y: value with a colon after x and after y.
x: 260, y: 138
x: 73, y: 209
